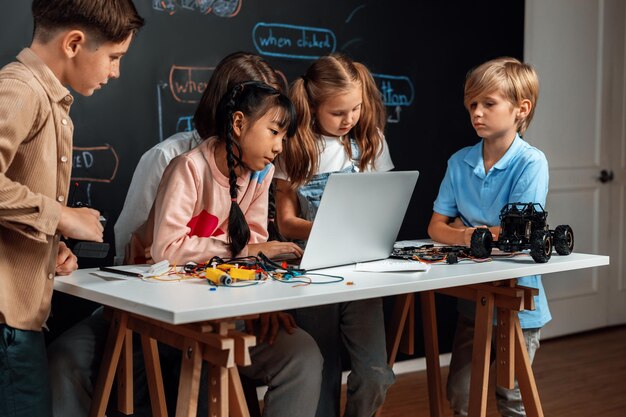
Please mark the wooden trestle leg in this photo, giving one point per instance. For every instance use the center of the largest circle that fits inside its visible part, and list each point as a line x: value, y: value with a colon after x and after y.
x: 215, y: 342
x: 511, y: 355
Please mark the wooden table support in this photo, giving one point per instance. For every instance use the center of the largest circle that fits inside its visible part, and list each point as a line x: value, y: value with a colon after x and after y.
x: 215, y: 342
x: 511, y: 355
x: 431, y: 350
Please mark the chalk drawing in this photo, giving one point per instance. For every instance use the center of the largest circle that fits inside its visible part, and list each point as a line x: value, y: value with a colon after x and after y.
x: 220, y: 8
x: 185, y: 124
x: 168, y: 6
x: 354, y: 12
x: 351, y: 42
x: 79, y: 196
x: 227, y: 8
x: 395, y: 119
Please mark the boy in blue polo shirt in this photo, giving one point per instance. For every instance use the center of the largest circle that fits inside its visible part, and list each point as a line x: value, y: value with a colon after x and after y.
x: 500, y: 96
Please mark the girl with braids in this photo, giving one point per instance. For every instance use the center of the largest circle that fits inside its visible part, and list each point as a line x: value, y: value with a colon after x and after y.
x: 213, y: 201
x: 232, y: 69
x: 341, y: 119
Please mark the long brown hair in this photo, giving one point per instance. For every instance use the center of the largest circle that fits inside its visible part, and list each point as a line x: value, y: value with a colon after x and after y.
x: 327, y: 77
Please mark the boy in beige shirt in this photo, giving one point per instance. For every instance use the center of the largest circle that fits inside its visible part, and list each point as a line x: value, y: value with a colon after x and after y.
x: 76, y: 44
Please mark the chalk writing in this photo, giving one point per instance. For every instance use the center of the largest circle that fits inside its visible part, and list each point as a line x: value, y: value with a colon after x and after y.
x: 95, y: 164
x: 83, y: 159
x: 397, y: 90
x: 290, y: 41
x: 188, y: 83
x: 221, y: 8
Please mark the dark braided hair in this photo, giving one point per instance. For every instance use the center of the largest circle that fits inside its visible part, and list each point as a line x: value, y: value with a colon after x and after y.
x: 272, y: 224
x: 253, y: 99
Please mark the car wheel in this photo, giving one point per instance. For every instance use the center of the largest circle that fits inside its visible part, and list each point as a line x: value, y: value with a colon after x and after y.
x: 541, y: 246
x: 563, y: 239
x: 481, y: 243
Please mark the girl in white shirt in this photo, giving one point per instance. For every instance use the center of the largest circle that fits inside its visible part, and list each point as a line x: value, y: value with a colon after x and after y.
x: 341, y: 119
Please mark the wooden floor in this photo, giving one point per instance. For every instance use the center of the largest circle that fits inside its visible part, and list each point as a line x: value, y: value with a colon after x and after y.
x: 577, y: 376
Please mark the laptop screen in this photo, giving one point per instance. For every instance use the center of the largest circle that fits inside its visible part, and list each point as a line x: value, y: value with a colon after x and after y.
x: 359, y: 218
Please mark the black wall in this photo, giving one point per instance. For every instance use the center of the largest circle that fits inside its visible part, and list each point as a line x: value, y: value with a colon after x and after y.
x: 420, y: 52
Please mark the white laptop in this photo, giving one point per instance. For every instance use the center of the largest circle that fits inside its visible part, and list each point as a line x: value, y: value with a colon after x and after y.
x: 359, y: 218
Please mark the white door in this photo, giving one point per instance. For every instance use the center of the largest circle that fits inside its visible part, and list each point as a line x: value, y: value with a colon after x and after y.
x: 577, y: 47
x: 615, y: 123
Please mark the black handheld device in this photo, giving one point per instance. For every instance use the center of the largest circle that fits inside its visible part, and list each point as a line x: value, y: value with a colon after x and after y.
x: 81, y: 248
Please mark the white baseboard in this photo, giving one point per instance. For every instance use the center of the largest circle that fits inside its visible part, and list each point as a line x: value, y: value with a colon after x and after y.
x: 399, y: 368
x: 417, y: 364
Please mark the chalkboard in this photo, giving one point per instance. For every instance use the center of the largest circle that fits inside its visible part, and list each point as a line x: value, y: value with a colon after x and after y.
x: 418, y: 51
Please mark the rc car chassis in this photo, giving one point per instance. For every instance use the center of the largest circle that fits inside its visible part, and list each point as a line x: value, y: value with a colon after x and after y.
x: 523, y: 226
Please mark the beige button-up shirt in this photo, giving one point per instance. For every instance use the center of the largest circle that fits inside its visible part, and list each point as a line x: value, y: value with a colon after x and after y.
x: 35, y: 166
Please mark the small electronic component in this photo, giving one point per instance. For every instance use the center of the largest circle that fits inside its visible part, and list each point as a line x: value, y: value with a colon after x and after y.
x: 245, y: 274
x: 432, y: 254
x: 217, y: 276
x: 253, y: 269
x: 225, y: 266
x: 158, y: 269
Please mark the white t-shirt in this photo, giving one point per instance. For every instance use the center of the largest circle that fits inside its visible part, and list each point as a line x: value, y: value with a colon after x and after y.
x: 143, y: 186
x: 334, y: 158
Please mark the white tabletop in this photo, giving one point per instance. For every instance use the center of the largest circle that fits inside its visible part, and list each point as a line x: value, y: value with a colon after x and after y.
x: 192, y: 301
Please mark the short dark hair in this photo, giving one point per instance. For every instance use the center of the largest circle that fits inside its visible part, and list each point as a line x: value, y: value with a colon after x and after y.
x: 106, y: 20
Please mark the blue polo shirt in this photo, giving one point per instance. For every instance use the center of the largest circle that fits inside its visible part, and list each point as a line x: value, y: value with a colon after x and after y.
x: 477, y: 197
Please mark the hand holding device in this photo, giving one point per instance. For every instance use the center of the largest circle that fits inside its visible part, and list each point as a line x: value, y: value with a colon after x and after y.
x: 84, y: 226
x: 81, y: 223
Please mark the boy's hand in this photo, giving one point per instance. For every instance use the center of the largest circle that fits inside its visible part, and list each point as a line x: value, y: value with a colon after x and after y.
x: 457, y: 223
x: 67, y: 262
x: 467, y: 235
x: 469, y: 231
x: 269, y: 324
x: 80, y: 223
x: 274, y: 248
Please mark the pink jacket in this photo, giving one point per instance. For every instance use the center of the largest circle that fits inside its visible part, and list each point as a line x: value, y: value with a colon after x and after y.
x: 189, y: 218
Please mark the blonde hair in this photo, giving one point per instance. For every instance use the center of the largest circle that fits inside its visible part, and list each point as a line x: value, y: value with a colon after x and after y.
x: 327, y: 77
x: 515, y: 80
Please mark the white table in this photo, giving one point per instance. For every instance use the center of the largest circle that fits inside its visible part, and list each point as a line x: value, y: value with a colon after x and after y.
x: 169, y: 305
x: 189, y: 302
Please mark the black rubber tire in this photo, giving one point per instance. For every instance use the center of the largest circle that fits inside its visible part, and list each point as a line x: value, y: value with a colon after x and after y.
x: 481, y: 243
x: 541, y: 246
x: 563, y: 239
x: 452, y: 258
